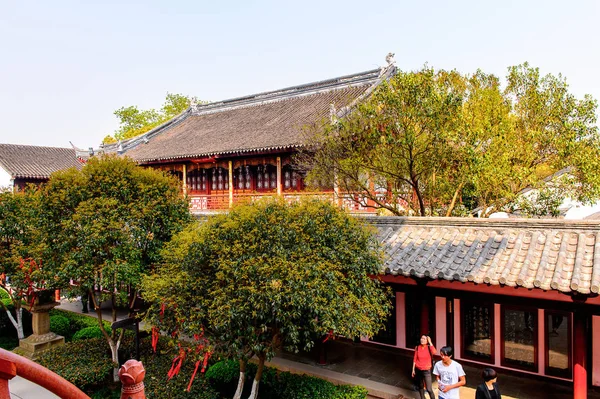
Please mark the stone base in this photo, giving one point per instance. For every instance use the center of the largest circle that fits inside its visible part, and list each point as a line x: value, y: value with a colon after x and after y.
x: 34, y: 345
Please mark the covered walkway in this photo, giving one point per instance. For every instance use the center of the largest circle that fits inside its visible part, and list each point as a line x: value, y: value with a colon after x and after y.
x: 349, y: 363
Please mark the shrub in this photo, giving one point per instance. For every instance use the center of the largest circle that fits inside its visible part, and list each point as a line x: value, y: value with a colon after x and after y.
x: 88, y: 333
x: 8, y: 343
x: 90, y: 366
x: 223, y: 377
x: 60, y: 325
x: 76, y: 322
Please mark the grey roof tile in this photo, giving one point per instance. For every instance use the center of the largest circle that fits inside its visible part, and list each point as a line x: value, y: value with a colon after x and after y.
x: 558, y: 255
x: 34, y: 162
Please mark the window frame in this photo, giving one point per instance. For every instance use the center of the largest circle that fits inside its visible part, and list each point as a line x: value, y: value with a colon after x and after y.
x: 535, y: 333
x: 463, y: 336
x: 547, y: 329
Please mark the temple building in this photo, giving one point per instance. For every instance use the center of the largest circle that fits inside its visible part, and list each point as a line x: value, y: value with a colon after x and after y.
x: 236, y: 150
x: 520, y: 295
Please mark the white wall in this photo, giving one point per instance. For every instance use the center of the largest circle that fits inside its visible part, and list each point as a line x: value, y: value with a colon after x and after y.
x: 5, y: 179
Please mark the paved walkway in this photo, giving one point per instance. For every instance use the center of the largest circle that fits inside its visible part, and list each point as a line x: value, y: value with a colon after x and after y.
x: 353, y: 363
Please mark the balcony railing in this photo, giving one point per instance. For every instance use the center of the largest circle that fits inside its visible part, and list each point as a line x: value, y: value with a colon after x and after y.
x: 218, y: 202
x: 12, y: 365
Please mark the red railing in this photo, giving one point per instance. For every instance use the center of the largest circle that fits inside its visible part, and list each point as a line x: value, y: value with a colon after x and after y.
x: 12, y: 365
x: 131, y: 374
x: 216, y: 202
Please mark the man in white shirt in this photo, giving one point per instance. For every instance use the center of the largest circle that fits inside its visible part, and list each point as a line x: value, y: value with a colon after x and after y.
x: 449, y: 374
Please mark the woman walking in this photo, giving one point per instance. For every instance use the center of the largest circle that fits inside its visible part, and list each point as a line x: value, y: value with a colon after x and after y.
x: 422, y: 365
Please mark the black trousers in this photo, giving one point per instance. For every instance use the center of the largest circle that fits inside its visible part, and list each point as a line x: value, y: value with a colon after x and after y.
x: 424, y: 378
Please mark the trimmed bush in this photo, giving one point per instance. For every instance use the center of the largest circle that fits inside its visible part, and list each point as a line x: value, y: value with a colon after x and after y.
x: 76, y: 322
x: 60, y: 325
x: 84, y: 363
x: 88, y: 333
x: 223, y: 377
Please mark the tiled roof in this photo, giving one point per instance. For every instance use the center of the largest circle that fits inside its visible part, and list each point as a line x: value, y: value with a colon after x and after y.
x: 261, y: 122
x: 561, y: 255
x: 33, y: 162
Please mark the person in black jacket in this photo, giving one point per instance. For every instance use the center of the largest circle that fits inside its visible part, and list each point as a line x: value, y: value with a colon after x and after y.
x: 489, y: 388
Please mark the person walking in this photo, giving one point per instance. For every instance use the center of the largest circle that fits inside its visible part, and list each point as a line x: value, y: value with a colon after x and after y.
x: 449, y: 374
x: 489, y: 388
x: 422, y: 366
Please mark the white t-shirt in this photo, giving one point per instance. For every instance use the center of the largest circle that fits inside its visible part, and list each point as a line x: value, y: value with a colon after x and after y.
x: 449, y: 375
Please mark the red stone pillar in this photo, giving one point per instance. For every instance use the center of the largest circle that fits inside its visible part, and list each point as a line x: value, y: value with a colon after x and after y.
x: 132, y: 375
x: 579, y: 355
x: 57, y: 295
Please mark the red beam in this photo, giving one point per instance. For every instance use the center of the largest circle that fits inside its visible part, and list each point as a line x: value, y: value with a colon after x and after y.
x: 520, y: 292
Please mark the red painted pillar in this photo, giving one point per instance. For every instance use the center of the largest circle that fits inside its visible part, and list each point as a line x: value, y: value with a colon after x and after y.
x: 579, y: 355
x: 7, y: 371
x: 57, y: 295
x: 424, y: 316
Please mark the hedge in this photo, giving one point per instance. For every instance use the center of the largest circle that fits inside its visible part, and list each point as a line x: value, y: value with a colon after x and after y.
x: 223, y: 376
x: 60, y: 325
x: 84, y: 363
x: 88, y: 333
x: 76, y: 322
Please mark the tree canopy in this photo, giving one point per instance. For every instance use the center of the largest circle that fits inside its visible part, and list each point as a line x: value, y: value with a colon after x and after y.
x: 269, y: 276
x: 105, y: 225
x: 20, y: 252
x: 133, y: 121
x: 428, y: 140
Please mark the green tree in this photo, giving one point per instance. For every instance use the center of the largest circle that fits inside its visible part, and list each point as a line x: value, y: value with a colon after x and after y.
x: 437, y: 136
x: 133, y: 121
x: 269, y: 276
x: 18, y: 247
x: 390, y: 146
x: 105, y: 226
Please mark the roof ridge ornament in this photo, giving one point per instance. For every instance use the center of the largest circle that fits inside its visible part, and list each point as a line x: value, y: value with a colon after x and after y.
x: 390, y: 59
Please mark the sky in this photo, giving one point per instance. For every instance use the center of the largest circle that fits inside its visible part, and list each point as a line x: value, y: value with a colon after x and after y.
x: 66, y: 66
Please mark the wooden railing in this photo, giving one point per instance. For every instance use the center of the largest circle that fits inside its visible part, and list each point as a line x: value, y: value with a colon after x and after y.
x: 216, y: 202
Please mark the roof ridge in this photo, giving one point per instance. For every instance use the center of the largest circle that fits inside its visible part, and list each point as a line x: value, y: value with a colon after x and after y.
x: 520, y: 223
x: 323, y: 86
x: 35, y: 146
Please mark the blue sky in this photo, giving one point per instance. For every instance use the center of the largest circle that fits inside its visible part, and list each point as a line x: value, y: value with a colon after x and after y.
x: 65, y: 66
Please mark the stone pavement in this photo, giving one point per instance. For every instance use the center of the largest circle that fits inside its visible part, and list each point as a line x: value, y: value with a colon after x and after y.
x: 21, y: 388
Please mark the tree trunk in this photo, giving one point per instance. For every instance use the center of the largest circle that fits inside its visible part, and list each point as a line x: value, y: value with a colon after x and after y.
x: 114, y: 355
x: 18, y: 323
x: 256, y: 382
x: 453, y: 203
x: 241, y: 381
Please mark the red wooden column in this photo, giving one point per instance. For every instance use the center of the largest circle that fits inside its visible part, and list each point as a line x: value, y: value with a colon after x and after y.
x: 579, y: 354
x: 422, y: 297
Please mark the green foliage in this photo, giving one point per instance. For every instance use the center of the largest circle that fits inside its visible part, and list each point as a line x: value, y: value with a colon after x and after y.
x: 133, y: 122
x: 8, y: 343
x: 88, y: 333
x: 60, y: 325
x: 107, y: 223
x: 428, y: 139
x: 91, y: 366
x: 223, y: 377
x: 270, y: 275
x: 78, y: 321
